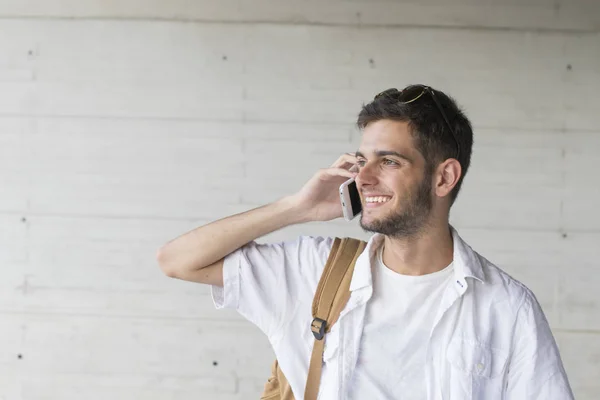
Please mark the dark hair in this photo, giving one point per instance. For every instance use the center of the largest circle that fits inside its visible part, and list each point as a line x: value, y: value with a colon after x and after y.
x: 433, y: 138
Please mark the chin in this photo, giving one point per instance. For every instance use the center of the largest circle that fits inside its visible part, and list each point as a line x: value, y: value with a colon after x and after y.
x: 369, y: 223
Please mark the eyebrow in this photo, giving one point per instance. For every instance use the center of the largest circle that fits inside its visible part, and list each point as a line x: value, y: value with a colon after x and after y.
x: 383, y: 153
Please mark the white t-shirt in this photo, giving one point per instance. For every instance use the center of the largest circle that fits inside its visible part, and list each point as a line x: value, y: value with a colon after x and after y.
x: 398, y: 321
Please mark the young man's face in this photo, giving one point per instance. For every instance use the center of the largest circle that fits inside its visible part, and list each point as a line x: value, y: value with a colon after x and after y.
x: 395, y: 188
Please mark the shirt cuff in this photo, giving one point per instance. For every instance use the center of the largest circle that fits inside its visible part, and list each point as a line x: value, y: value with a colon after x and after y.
x: 228, y: 295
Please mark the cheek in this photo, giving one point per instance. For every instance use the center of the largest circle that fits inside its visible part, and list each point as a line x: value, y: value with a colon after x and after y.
x: 405, y: 190
x: 400, y: 185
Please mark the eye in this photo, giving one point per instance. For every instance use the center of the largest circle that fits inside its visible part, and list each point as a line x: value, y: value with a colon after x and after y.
x: 387, y: 161
x: 361, y: 163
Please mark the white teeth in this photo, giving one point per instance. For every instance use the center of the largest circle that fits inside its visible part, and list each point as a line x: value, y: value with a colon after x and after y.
x: 379, y: 199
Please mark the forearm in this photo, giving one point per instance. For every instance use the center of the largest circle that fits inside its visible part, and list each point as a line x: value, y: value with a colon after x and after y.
x: 208, y: 244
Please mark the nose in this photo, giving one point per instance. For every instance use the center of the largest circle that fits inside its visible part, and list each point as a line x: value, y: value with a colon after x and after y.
x: 366, y: 175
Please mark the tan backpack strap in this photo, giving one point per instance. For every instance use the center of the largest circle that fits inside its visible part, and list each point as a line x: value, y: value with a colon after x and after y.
x: 330, y: 298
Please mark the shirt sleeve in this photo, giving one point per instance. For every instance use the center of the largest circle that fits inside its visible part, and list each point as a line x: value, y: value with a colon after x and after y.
x: 535, y: 371
x: 265, y: 282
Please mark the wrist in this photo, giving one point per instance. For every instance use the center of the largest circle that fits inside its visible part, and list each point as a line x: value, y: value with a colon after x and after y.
x: 294, y: 210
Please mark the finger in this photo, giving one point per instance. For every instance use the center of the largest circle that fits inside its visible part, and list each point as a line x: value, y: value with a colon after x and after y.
x: 345, y: 161
x: 337, y: 172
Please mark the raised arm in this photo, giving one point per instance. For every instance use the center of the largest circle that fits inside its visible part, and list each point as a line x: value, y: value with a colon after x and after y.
x: 197, y: 256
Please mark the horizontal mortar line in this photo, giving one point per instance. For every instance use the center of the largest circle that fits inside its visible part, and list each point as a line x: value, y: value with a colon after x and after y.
x: 103, y: 217
x: 584, y: 331
x: 128, y: 374
x: 32, y: 288
x: 527, y: 229
x: 541, y: 130
x: 135, y: 317
x: 332, y: 223
x: 357, y: 24
x: 244, y: 121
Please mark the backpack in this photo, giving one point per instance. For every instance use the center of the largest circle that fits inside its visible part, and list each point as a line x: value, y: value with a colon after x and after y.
x: 330, y: 298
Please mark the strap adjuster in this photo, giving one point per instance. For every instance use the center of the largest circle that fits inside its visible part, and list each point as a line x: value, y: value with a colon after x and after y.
x: 318, y: 328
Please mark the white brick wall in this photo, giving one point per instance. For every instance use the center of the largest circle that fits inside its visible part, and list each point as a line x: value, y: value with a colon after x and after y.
x: 124, y: 124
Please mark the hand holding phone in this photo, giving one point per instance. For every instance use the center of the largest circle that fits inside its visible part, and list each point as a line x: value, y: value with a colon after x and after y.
x: 319, y: 198
x: 350, y: 199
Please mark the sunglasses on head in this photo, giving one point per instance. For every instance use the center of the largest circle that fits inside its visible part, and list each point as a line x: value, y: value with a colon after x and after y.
x: 414, y: 93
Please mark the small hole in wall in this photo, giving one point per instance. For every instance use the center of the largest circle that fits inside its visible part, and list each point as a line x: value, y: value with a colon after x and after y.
x: 20, y: 356
x: 215, y: 363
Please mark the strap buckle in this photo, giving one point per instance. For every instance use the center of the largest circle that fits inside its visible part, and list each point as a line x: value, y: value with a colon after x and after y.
x: 318, y: 328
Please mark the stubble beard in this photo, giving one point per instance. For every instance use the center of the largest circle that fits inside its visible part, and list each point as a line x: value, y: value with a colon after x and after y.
x: 408, y: 222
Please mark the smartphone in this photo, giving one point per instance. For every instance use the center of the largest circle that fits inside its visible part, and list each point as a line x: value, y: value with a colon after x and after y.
x: 350, y: 199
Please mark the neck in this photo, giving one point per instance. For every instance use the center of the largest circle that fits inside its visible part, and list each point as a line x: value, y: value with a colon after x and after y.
x: 430, y: 251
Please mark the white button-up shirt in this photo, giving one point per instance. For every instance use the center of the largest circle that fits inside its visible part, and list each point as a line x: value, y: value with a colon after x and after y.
x: 490, y: 338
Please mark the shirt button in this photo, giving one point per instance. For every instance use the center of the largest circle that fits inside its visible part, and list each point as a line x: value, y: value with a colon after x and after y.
x: 480, y: 367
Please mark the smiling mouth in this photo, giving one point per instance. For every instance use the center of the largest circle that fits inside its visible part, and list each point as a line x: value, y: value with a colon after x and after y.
x: 374, y: 201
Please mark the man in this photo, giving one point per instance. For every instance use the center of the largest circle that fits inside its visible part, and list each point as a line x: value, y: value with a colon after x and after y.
x: 428, y: 318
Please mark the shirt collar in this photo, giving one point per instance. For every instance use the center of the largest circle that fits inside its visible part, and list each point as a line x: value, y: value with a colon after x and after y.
x: 467, y: 263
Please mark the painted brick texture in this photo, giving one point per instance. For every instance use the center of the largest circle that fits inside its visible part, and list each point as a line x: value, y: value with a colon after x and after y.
x: 124, y: 124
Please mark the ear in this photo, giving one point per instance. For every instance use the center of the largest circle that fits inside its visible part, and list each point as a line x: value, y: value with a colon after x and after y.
x: 447, y: 175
